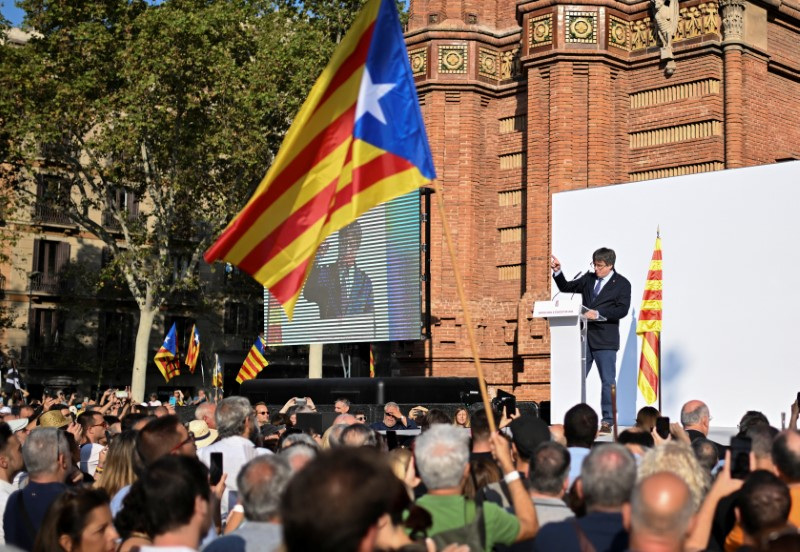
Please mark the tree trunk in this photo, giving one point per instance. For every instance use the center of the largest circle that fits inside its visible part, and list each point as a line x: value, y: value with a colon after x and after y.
x: 147, y: 313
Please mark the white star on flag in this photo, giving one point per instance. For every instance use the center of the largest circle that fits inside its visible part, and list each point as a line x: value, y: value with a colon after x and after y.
x: 369, y: 96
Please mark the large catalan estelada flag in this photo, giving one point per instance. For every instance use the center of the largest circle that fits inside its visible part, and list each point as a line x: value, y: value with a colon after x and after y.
x: 193, y: 352
x: 166, y: 357
x: 358, y: 141
x: 649, y: 327
x: 254, y: 363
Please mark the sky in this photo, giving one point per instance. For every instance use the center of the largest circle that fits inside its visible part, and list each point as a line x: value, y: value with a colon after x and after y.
x: 11, y: 12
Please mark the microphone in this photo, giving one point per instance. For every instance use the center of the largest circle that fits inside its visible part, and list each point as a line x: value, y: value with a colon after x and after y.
x: 578, y: 275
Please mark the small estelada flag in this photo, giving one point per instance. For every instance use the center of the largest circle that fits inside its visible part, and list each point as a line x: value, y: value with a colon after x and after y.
x: 166, y: 357
x: 254, y: 363
x: 193, y: 352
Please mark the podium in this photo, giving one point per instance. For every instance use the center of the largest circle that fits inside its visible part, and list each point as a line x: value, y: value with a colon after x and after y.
x: 568, y: 326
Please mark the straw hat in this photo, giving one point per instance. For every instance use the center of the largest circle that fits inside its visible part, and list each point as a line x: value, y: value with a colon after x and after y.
x: 203, y: 436
x: 53, y: 418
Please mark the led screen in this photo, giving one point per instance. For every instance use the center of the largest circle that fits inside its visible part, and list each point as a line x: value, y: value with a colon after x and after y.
x: 365, y: 284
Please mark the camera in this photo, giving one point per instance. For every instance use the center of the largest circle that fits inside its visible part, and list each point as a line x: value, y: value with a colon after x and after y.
x: 299, y: 401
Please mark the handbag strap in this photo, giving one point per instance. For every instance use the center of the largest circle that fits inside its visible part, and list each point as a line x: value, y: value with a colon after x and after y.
x: 584, y: 543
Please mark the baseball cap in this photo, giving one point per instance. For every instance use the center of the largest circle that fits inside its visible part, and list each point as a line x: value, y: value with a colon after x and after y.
x: 18, y: 424
x: 527, y: 433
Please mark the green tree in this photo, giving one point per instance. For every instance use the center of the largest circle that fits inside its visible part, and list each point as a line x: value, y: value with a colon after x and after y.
x: 181, y: 105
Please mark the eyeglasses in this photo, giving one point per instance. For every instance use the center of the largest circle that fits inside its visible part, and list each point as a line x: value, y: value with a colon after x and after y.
x: 599, y: 265
x: 361, y: 418
x: 104, y: 424
x: 262, y: 412
x: 189, y: 439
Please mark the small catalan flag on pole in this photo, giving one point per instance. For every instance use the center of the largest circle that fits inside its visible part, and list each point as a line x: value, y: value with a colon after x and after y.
x: 649, y: 327
x: 371, y: 362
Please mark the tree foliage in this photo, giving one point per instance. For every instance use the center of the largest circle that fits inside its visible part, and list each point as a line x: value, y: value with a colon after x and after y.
x: 180, y: 105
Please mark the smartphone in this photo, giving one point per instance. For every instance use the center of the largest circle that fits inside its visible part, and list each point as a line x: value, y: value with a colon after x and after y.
x: 173, y: 401
x: 121, y: 394
x: 740, y: 456
x: 215, y: 468
x: 662, y: 426
x: 298, y: 401
x: 798, y: 397
x: 507, y: 400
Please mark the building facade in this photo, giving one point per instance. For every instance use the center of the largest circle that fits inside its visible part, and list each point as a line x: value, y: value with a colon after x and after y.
x: 524, y: 99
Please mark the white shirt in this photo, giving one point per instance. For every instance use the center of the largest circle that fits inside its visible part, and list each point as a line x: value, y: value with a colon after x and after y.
x: 236, y: 452
x: 6, y: 489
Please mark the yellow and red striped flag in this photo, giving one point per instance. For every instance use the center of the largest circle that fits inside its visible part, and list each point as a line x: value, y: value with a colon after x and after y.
x: 193, y: 351
x: 254, y: 363
x: 649, y: 327
x: 358, y: 141
x: 371, y: 362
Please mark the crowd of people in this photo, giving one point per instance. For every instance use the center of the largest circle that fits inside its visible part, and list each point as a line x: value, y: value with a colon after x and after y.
x: 114, y: 475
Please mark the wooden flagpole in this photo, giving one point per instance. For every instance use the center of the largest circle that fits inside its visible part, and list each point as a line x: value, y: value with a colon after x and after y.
x: 467, y: 318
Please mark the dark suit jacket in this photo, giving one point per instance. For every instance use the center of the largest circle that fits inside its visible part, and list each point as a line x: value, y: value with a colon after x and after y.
x: 324, y: 287
x: 613, y: 302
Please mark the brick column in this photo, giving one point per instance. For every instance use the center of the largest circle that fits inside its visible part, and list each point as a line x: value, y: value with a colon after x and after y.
x: 732, y: 32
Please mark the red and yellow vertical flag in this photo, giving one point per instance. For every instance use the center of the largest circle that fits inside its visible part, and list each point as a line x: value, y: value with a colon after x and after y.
x: 358, y: 141
x: 371, y: 362
x: 193, y: 351
x: 649, y: 327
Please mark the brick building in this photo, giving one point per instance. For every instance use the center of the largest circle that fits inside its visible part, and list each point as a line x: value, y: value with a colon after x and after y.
x: 523, y: 99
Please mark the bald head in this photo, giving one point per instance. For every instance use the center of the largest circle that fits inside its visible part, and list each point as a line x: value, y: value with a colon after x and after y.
x: 695, y: 415
x: 661, y: 510
x: 346, y: 419
x: 786, y: 455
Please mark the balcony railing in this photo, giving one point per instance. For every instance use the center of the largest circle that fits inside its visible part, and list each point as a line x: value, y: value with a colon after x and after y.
x: 46, y: 283
x: 44, y: 212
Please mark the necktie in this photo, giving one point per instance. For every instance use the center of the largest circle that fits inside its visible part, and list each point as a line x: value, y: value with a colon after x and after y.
x: 596, y: 289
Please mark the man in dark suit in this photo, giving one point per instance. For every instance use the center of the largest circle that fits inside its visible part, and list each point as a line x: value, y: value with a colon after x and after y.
x: 341, y: 288
x: 608, y: 294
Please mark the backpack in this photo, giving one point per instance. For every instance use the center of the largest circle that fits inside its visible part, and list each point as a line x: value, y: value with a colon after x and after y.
x: 473, y: 534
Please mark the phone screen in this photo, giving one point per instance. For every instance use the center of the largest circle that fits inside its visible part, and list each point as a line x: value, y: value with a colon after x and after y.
x: 662, y: 426
x: 740, y: 456
x: 173, y: 401
x: 215, y: 468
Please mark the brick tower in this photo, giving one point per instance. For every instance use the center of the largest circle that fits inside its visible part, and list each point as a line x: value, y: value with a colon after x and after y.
x: 523, y: 99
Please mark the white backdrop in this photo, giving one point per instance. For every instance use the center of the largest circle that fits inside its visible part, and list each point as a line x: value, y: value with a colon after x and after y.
x: 731, y: 308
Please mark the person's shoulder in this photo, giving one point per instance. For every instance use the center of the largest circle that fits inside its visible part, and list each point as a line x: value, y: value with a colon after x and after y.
x: 227, y: 543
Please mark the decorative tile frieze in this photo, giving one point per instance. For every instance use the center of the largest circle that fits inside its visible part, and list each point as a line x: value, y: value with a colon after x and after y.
x: 694, y: 21
x: 581, y: 27
x: 419, y: 61
x: 541, y: 31
x: 453, y: 58
x: 488, y: 63
x: 618, y: 33
x: 510, y: 66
